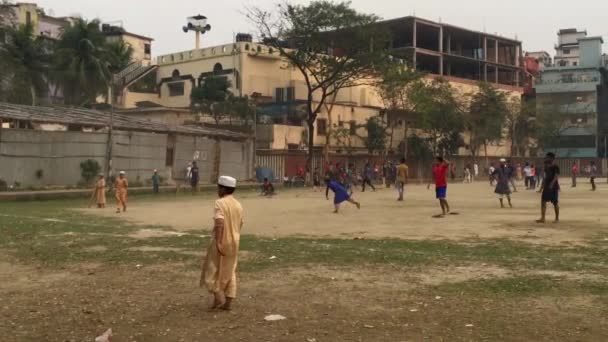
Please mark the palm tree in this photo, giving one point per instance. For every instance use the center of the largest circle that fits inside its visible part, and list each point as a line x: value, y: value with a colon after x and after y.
x: 26, y: 60
x: 82, y: 65
x: 118, y: 55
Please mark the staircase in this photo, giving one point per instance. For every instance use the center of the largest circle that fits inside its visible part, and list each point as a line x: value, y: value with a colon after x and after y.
x: 132, y: 73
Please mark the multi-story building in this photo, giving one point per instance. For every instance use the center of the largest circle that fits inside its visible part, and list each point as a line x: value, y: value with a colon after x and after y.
x: 461, y: 56
x: 576, y: 89
x: 141, y: 45
x: 567, y: 50
x: 456, y: 53
x: 44, y: 25
x: 543, y: 57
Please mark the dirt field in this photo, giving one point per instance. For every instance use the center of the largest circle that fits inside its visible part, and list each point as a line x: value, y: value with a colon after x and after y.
x: 305, y: 213
x: 488, y: 274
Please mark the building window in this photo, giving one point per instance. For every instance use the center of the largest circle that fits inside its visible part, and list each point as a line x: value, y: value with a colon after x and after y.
x: 321, y: 127
x: 28, y: 18
x: 574, y: 63
x: 169, y: 157
x: 176, y: 89
x: 279, y: 95
x: 217, y: 68
x: 353, y: 127
x: 291, y: 94
x: 566, y: 51
x: 340, y: 123
x: 147, y: 49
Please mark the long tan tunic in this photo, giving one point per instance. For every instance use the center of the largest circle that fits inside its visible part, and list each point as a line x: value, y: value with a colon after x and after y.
x: 100, y: 192
x: 219, y: 272
x: 121, y: 186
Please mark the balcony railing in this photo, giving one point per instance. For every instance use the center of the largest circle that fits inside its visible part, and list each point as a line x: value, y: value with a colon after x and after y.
x: 570, y: 80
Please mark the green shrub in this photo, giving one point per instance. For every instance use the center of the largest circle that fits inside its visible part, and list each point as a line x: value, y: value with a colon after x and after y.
x: 89, y: 169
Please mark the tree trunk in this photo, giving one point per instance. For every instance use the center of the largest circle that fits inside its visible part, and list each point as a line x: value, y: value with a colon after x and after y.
x: 311, y: 142
x: 217, y: 155
x: 329, y: 109
x: 329, y: 131
x: 33, y: 92
x: 485, y: 151
x: 405, y: 142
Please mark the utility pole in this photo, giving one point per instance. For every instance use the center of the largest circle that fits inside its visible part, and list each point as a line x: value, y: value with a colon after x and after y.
x: 110, y: 131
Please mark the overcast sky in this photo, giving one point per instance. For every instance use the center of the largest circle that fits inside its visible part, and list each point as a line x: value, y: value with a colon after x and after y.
x: 535, y: 23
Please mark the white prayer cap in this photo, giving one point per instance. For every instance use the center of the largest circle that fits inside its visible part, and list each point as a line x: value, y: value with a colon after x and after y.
x: 227, y: 181
x: 503, y: 160
x: 122, y: 173
x: 155, y: 170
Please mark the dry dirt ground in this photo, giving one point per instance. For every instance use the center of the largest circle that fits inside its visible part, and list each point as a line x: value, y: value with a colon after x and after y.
x: 306, y: 213
x: 488, y: 274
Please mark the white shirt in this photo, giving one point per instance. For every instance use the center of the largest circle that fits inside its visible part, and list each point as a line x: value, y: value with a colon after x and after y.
x: 528, y: 171
x: 476, y: 169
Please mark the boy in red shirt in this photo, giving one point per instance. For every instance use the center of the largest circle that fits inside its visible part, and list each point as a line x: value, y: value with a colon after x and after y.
x: 440, y: 174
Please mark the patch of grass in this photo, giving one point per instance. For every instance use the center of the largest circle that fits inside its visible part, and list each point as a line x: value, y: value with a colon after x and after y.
x: 523, y: 286
x: 504, y: 253
x: 53, y: 234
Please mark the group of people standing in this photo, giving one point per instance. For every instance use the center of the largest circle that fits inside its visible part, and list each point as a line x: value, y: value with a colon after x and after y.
x: 121, y: 186
x: 591, y: 172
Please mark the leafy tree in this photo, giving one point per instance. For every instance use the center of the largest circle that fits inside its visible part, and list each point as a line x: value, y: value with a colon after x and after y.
x: 377, y: 134
x: 550, y: 125
x: 419, y: 149
x: 332, y: 45
x: 439, y: 112
x: 450, y: 144
x: 242, y: 108
x: 520, y: 124
x: 211, y: 97
x: 393, y: 87
x: 26, y: 63
x: 118, y: 55
x: 486, y: 118
x: 342, y: 137
x: 89, y: 169
x: 82, y: 63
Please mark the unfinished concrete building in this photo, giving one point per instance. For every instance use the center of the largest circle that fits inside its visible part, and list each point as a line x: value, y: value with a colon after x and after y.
x: 451, y: 51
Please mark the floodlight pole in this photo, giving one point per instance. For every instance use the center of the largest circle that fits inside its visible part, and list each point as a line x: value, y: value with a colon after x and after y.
x: 110, y: 131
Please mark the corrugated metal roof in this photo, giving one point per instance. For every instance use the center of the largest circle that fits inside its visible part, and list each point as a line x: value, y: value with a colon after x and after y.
x: 100, y: 119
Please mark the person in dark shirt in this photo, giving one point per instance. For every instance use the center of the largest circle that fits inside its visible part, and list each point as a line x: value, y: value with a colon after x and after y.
x: 267, y: 188
x: 501, y: 174
x: 550, y: 188
x: 592, y: 175
x: 540, y: 174
x: 367, y: 177
x: 194, y: 177
x: 155, y: 182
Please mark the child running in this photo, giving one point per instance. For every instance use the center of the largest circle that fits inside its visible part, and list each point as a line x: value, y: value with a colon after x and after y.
x: 340, y: 195
x: 440, y: 173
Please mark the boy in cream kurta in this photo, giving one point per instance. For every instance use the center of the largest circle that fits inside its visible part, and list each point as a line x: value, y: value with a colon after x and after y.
x: 219, y: 268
